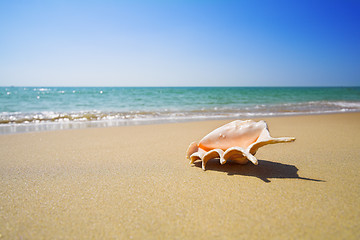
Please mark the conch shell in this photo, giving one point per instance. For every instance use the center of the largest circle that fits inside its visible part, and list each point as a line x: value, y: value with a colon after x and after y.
x: 237, y: 141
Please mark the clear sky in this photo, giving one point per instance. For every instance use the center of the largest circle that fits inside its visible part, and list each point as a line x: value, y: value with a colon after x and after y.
x: 180, y: 43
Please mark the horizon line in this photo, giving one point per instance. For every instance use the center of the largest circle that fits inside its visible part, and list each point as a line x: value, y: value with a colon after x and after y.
x: 164, y: 86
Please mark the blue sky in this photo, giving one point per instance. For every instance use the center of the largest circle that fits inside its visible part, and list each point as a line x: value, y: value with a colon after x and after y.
x: 180, y: 43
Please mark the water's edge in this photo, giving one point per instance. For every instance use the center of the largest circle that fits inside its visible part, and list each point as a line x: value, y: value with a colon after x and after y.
x: 7, y: 129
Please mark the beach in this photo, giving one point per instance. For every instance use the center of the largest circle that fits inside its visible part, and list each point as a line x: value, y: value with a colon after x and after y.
x: 133, y: 182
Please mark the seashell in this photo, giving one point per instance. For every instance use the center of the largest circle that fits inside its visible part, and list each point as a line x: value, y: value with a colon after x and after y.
x: 237, y: 141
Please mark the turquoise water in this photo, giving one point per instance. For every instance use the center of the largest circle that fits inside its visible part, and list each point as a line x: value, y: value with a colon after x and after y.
x: 37, y: 108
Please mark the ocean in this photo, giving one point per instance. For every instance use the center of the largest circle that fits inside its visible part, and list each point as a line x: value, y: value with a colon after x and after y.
x: 24, y: 109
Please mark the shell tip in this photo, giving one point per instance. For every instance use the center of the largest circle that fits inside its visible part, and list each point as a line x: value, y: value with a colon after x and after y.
x: 203, y: 166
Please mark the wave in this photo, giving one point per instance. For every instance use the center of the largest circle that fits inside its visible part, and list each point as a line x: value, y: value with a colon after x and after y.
x: 311, y: 107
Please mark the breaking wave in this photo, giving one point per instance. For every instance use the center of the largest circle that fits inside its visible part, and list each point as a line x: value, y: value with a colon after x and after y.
x: 312, y: 107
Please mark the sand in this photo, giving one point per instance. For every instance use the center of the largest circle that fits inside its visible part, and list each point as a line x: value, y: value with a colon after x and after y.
x: 134, y: 182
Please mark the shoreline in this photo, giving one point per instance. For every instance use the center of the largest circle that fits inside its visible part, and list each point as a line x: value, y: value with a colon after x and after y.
x: 8, y: 129
x: 134, y: 182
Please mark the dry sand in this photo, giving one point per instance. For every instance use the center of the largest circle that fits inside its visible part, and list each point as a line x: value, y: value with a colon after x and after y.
x: 134, y: 183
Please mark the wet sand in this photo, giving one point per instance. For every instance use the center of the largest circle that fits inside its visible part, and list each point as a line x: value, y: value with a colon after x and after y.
x: 134, y: 183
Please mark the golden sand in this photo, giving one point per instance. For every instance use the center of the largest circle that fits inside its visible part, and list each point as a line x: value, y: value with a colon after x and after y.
x: 134, y: 183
